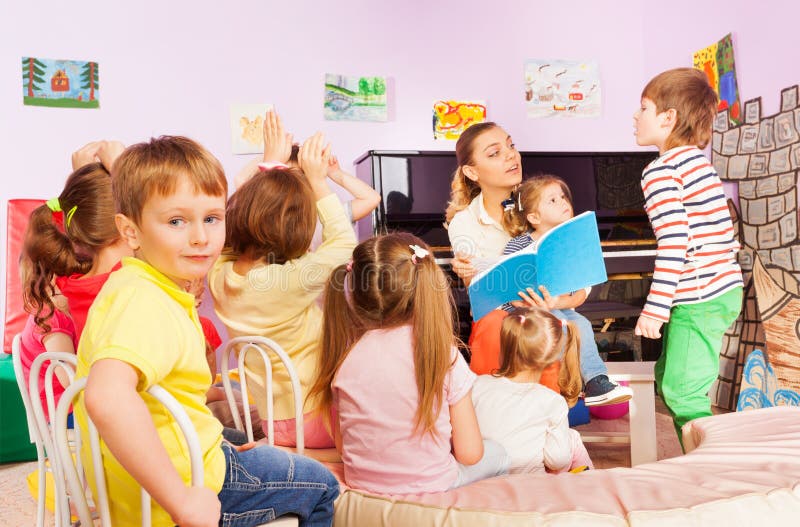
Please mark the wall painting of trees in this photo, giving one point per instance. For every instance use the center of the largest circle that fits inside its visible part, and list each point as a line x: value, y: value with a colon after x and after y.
x: 60, y: 83
x: 355, y: 98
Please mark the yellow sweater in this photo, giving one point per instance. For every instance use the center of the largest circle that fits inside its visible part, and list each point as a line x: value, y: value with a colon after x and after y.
x: 279, y: 301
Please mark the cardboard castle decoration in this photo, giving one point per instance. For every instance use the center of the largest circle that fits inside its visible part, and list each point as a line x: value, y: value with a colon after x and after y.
x: 762, y: 156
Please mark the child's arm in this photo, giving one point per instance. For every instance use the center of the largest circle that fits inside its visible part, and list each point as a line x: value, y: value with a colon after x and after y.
x: 557, y: 445
x: 337, y: 434
x: 58, y: 341
x: 127, y: 429
x: 365, y: 198
x: 467, y: 440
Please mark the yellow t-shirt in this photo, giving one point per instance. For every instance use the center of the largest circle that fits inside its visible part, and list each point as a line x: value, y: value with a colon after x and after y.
x: 143, y: 318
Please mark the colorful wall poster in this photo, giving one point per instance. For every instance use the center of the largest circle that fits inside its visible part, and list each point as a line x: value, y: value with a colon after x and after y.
x: 247, y: 128
x: 451, y: 117
x: 716, y: 61
x: 355, y: 98
x: 556, y: 88
x: 60, y: 83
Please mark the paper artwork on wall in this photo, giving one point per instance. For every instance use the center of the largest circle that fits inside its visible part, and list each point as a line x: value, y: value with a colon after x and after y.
x: 247, y: 128
x: 355, y: 98
x: 716, y: 61
x: 556, y: 88
x: 451, y: 118
x: 60, y: 83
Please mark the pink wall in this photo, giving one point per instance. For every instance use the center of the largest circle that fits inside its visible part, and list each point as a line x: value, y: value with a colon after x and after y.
x: 173, y: 67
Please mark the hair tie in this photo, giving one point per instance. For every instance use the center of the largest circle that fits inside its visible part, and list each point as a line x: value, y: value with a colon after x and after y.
x: 349, y: 266
x: 71, y: 213
x: 269, y: 165
x: 419, y: 253
x: 508, y: 204
x: 521, y: 319
x: 58, y: 215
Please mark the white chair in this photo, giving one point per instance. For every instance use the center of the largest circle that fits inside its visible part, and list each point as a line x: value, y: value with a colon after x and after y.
x: 262, y: 346
x: 74, y: 482
x: 38, y: 426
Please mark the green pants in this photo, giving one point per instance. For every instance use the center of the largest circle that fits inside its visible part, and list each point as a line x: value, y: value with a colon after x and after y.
x: 689, y: 361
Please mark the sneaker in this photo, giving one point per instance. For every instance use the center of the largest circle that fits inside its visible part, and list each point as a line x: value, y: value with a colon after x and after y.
x: 600, y: 391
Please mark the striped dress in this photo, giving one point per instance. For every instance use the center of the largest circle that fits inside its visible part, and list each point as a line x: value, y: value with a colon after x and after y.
x: 696, y: 255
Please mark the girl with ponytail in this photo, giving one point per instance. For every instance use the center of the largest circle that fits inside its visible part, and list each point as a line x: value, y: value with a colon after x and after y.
x: 391, y: 369
x: 71, y: 245
x: 514, y: 409
x: 72, y: 242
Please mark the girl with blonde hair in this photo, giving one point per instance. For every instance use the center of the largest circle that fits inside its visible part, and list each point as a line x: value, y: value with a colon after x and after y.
x: 528, y: 419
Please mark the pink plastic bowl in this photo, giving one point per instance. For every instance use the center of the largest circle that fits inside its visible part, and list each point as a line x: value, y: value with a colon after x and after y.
x: 611, y: 411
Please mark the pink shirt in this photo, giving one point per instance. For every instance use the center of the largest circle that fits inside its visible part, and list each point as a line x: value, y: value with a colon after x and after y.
x: 31, y: 346
x: 375, y: 392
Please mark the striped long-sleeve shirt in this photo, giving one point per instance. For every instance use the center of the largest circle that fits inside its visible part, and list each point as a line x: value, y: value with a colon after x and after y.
x: 696, y: 255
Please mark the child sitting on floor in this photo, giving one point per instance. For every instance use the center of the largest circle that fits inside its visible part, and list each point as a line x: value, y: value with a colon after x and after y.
x: 528, y: 419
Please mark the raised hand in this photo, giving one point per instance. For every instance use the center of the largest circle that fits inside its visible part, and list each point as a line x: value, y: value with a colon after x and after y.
x: 108, y: 152
x: 86, y: 154
x: 277, y: 142
x: 314, y: 157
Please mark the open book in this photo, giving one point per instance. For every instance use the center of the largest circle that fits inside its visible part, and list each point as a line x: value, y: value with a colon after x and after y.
x: 567, y: 258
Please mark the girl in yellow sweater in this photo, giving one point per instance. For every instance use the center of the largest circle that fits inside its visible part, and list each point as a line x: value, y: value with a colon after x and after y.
x: 267, y: 282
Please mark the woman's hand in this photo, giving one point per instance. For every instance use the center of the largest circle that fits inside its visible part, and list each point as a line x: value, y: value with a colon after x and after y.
x: 277, y: 142
x: 462, y: 266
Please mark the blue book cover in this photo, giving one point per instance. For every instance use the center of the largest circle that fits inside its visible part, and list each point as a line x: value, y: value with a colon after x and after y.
x: 567, y: 258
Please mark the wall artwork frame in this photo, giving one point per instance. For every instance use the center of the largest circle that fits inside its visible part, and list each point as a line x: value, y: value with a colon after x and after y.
x: 58, y: 83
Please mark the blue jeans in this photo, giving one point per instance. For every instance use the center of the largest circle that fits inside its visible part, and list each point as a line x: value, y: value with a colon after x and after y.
x: 591, y: 363
x: 264, y: 483
x: 495, y: 462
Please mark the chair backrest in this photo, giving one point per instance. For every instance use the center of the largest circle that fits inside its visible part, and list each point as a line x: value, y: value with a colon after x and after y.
x: 69, y: 470
x: 262, y: 346
x: 22, y: 384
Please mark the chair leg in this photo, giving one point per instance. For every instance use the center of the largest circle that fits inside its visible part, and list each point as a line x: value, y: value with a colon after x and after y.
x: 41, y: 468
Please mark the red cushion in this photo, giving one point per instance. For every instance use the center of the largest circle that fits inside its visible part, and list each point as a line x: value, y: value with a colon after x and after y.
x: 19, y: 210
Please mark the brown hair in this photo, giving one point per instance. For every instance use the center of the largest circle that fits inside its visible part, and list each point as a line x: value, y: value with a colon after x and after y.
x: 695, y: 102
x: 385, y: 288
x: 533, y: 339
x: 55, y: 250
x: 272, y: 216
x: 462, y: 189
x: 528, y: 196
x: 156, y: 167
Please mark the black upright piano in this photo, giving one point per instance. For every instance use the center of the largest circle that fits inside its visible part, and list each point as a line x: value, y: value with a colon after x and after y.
x: 415, y: 188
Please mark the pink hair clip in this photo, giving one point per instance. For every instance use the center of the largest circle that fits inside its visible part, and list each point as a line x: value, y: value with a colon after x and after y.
x: 522, y: 319
x: 419, y: 252
x: 349, y: 266
x: 269, y: 165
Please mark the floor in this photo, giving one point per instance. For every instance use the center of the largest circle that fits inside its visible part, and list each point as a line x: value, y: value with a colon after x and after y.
x: 18, y: 508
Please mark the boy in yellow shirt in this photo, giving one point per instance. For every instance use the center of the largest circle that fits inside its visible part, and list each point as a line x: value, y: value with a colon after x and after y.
x: 143, y: 329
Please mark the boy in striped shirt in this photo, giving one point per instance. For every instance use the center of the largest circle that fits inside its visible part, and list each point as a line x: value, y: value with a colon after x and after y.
x: 697, y: 283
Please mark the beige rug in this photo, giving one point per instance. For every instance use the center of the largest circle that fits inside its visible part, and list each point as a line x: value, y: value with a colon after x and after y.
x: 18, y: 508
